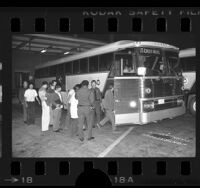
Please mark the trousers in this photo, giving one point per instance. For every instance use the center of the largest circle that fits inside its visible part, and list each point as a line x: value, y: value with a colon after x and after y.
x: 96, y: 113
x: 109, y: 116
x: 56, y: 119
x: 45, y: 116
x: 24, y: 111
x: 84, y: 113
x: 31, y: 113
x: 51, y: 115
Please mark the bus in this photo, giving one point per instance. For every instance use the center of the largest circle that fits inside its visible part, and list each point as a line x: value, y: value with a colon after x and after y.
x: 188, y: 66
x: 148, y: 84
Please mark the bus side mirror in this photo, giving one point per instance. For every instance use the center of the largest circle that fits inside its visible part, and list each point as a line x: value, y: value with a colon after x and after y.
x: 141, y: 71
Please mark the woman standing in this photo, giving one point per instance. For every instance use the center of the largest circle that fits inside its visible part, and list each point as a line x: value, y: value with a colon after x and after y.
x: 45, y: 108
x: 30, y: 96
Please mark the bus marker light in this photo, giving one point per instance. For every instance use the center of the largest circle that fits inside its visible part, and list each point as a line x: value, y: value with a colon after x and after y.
x: 161, y: 101
x: 148, y: 90
x: 185, y: 80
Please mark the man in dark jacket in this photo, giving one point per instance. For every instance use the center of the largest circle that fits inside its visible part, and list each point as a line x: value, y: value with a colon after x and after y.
x: 108, y: 107
x: 96, y: 117
x: 49, y: 94
x: 57, y: 105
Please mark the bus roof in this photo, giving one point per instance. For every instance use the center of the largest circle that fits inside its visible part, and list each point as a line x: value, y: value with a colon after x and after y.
x: 112, y: 47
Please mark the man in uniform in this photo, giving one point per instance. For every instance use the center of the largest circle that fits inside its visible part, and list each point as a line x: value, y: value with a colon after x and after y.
x: 97, y: 104
x: 85, y: 99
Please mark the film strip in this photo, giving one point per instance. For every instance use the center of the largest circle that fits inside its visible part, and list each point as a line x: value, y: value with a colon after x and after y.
x: 137, y: 160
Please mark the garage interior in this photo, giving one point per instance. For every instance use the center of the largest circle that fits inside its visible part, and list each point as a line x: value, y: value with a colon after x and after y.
x: 167, y: 138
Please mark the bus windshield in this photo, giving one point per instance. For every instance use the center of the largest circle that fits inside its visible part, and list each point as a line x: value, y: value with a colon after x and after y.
x: 173, y: 62
x: 153, y: 60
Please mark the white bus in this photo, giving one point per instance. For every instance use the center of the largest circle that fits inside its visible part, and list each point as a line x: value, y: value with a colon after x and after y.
x: 188, y: 66
x: 147, y: 79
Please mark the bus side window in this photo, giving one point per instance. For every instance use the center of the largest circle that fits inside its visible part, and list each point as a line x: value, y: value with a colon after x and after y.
x: 52, y: 70
x: 68, y: 68
x: 93, y: 64
x: 188, y: 64
x: 76, y: 68
x: 84, y: 65
x: 37, y: 73
x: 60, y: 69
x: 105, y: 61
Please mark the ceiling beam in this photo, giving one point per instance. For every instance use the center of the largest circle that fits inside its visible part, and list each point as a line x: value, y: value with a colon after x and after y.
x: 70, y: 39
x: 24, y: 43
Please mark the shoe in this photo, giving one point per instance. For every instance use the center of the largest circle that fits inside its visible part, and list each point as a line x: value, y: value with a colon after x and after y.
x: 81, y: 139
x: 57, y: 131
x: 84, y: 129
x: 25, y: 122
x: 91, y: 138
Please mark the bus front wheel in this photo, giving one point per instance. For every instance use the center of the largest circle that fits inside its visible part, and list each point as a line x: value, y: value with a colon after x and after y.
x: 192, y: 106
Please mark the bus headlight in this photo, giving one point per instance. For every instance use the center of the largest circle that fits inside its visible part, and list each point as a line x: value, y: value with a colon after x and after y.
x: 133, y: 104
x: 148, y: 105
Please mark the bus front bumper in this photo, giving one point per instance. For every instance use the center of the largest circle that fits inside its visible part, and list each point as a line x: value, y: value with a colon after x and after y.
x: 162, y: 114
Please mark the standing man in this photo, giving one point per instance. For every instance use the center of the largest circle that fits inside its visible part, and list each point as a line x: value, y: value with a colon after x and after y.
x: 57, y: 106
x: 22, y: 100
x: 73, y: 106
x: 45, y: 107
x: 30, y: 96
x: 49, y: 94
x: 85, y: 99
x: 96, y: 117
x: 108, y: 107
x: 54, y: 83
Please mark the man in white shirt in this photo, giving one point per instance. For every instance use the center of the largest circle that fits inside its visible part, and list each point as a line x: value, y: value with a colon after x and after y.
x: 30, y: 96
x: 73, y: 102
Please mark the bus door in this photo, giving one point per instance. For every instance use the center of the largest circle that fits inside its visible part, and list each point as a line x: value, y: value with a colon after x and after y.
x: 126, y: 90
x: 126, y: 100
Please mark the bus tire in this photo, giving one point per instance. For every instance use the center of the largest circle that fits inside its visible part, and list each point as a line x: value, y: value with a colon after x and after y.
x: 192, y: 106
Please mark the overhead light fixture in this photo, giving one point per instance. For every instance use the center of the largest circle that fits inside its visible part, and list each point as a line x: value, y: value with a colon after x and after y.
x: 66, y: 53
x: 43, y: 51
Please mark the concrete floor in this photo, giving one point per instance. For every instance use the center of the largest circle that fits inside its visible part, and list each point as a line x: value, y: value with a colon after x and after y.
x: 28, y: 142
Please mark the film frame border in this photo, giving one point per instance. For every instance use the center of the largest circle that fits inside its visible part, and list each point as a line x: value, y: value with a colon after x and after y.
x: 12, y: 166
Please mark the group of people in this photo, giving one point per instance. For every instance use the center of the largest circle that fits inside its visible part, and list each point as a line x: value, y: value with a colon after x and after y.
x: 84, y: 106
